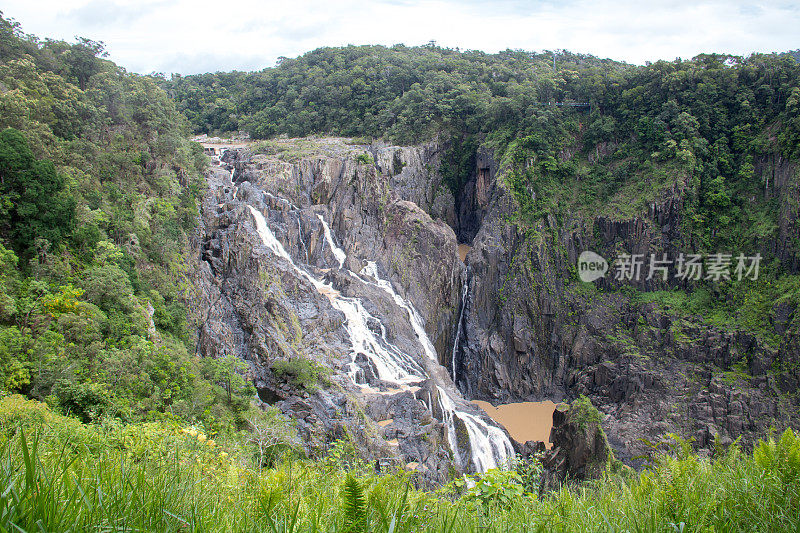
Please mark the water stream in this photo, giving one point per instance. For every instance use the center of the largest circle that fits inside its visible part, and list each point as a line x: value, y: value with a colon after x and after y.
x: 489, y: 446
x: 390, y: 363
x: 414, y: 319
x: 457, y: 339
x: 302, y: 240
x: 337, y: 252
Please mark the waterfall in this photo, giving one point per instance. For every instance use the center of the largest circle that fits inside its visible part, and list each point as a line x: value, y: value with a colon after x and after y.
x: 448, y: 413
x: 282, y: 200
x: 489, y: 446
x: 268, y: 238
x: 371, y: 270
x: 457, y: 339
x: 302, y: 241
x: 390, y: 362
x: 340, y: 255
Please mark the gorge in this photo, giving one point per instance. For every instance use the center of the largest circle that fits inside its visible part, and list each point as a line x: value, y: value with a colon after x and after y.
x: 405, y: 288
x: 363, y: 276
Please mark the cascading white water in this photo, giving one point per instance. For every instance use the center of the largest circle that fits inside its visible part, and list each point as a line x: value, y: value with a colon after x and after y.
x: 489, y: 446
x: 371, y: 270
x: 302, y: 241
x: 267, y: 237
x: 282, y: 200
x: 391, y: 363
x: 464, y: 292
x: 340, y: 255
x: 448, y: 413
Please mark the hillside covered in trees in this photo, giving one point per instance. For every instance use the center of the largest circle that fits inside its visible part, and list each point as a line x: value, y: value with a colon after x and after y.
x: 714, y: 115
x: 98, y: 193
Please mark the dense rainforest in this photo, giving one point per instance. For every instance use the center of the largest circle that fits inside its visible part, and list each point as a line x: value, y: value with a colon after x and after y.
x: 578, y: 137
x: 99, y: 187
x: 601, y: 123
x: 111, y: 419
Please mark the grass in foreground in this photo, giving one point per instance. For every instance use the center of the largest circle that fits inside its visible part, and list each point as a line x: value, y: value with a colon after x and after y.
x: 57, y: 474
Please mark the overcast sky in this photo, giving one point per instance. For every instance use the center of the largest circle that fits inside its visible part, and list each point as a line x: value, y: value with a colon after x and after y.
x: 190, y: 36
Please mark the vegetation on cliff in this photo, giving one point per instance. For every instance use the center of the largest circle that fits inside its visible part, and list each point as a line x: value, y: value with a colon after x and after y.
x: 98, y: 193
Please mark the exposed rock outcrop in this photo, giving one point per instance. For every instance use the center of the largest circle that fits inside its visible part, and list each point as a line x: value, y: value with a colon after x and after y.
x: 532, y: 331
x: 580, y: 450
x: 319, y: 259
x: 525, y: 328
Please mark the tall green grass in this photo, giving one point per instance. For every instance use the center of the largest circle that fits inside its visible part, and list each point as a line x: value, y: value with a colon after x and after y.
x: 59, y: 475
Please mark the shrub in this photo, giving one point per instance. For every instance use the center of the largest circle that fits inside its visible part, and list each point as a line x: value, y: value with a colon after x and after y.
x: 529, y: 470
x: 301, y: 372
x: 781, y: 458
x: 35, y: 202
x: 87, y: 401
x: 584, y: 413
x: 365, y: 159
x: 492, y: 488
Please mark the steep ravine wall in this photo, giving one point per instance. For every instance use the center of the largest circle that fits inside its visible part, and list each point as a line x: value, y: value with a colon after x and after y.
x: 531, y: 331
x: 324, y: 259
x: 528, y: 329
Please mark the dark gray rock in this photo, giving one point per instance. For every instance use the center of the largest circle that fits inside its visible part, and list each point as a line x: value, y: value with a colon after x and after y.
x: 580, y: 449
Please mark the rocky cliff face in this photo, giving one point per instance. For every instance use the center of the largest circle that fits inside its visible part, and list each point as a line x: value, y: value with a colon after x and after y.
x: 532, y: 331
x: 325, y: 259
x: 346, y: 255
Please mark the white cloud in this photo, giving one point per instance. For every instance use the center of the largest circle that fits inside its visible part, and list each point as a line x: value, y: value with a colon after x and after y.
x: 202, y: 35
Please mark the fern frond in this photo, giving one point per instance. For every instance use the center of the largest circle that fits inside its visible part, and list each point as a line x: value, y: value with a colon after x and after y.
x: 354, y: 502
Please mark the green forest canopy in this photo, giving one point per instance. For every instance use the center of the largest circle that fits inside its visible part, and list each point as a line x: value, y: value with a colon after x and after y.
x: 713, y: 128
x: 708, y: 120
x: 99, y: 189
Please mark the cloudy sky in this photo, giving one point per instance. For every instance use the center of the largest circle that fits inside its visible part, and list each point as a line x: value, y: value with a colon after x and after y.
x: 189, y: 36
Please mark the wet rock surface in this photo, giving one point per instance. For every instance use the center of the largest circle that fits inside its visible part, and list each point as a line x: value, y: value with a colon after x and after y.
x: 531, y: 331
x: 296, y: 256
x: 510, y: 324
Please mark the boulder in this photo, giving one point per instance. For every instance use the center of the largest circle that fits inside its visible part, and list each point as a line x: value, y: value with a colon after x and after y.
x: 580, y: 449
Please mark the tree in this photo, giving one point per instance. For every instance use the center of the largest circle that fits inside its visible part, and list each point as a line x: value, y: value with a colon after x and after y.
x: 35, y: 204
x: 269, y: 432
x: 227, y: 372
x: 13, y: 42
x: 82, y: 58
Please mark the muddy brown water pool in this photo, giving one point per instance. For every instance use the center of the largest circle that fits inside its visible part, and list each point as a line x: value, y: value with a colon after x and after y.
x: 463, y: 250
x: 524, y: 420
